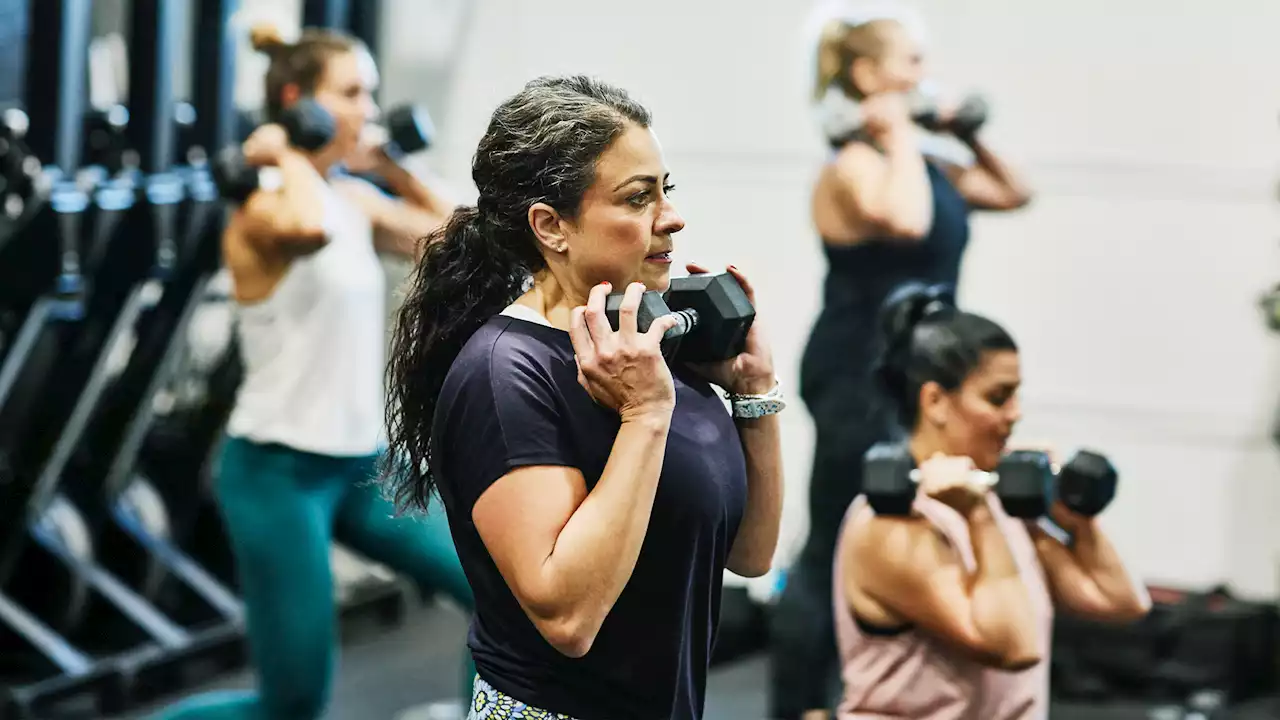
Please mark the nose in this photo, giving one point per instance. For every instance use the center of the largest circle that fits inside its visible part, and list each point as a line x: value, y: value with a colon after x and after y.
x: 1014, y: 412
x: 669, y: 220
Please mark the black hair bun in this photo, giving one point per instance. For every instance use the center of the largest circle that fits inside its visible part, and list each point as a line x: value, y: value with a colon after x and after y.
x: 907, y: 305
x: 904, y: 308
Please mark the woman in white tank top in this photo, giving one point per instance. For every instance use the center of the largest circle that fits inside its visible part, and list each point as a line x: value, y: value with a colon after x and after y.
x: 947, y: 613
x: 304, y: 437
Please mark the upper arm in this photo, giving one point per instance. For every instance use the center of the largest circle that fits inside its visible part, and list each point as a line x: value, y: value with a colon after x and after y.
x: 1072, y: 588
x: 861, y: 172
x: 983, y: 190
x: 908, y: 567
x: 509, y: 464
x: 269, y: 223
x: 519, y: 518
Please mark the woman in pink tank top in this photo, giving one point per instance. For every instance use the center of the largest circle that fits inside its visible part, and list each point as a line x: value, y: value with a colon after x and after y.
x: 947, y: 613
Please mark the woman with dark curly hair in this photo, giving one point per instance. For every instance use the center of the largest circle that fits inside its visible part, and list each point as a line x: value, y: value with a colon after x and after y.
x: 595, y: 493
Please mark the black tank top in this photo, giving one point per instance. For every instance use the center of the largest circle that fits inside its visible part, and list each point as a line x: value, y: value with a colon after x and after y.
x: 843, y: 345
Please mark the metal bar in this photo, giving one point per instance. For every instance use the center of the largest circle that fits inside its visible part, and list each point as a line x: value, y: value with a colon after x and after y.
x: 57, y: 63
x: 326, y: 13
x: 60, y: 652
x: 365, y: 22
x: 214, y: 72
x: 155, y: 28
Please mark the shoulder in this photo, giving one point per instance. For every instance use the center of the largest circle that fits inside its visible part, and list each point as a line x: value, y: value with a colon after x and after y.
x: 508, y: 353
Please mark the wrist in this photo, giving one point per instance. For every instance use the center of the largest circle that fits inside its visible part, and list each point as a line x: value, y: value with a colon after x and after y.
x: 653, y: 420
x: 753, y: 386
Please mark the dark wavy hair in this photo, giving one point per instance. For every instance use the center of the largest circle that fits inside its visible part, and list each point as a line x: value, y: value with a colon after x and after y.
x: 541, y: 146
x: 927, y: 339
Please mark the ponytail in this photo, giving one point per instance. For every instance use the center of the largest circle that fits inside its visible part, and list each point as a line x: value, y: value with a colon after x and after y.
x: 465, y: 277
x: 924, y: 339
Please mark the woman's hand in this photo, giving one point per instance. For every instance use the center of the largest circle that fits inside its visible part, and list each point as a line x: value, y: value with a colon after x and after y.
x: 623, y: 370
x: 950, y: 480
x: 886, y: 114
x: 751, y: 372
x: 368, y: 155
x: 265, y: 145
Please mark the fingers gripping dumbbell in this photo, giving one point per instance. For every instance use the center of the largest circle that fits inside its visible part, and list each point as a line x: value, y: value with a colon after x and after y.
x: 1024, y: 481
x: 713, y: 315
x: 308, y: 126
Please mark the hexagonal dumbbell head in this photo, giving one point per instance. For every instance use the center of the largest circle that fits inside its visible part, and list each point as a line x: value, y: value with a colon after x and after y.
x: 1087, y: 483
x: 887, y: 479
x: 409, y: 130
x: 1025, y: 485
x: 724, y: 315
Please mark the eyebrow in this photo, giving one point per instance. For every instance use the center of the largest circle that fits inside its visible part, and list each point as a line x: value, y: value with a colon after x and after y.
x: 646, y: 178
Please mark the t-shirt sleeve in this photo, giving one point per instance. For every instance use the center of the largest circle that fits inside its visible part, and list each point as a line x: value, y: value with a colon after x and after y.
x: 507, y: 414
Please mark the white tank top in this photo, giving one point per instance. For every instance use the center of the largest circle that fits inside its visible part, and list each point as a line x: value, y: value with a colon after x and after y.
x: 314, y: 350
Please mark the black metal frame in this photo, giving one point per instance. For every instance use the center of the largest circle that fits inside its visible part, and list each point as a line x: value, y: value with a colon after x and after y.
x: 361, y: 18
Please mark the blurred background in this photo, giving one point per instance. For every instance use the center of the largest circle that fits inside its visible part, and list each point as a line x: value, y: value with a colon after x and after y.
x: 1147, y: 129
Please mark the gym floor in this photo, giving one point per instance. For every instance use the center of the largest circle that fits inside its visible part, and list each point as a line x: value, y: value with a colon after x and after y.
x: 396, y: 674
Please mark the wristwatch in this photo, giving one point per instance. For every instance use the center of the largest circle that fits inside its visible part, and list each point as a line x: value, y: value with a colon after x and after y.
x: 749, y: 407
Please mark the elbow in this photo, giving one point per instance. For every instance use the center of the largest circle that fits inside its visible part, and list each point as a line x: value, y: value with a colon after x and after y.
x: 1018, y: 660
x: 900, y: 227
x: 570, y: 635
x: 1131, y: 611
x: 752, y: 568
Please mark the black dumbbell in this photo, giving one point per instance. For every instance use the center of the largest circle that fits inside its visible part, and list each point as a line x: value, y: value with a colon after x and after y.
x: 964, y: 122
x: 1023, y: 481
x: 712, y: 311
x: 409, y: 130
x: 1087, y: 483
x: 307, y: 124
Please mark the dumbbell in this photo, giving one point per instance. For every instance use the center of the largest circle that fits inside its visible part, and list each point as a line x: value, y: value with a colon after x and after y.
x: 712, y: 311
x: 1024, y: 481
x: 409, y: 130
x: 307, y: 124
x: 964, y: 122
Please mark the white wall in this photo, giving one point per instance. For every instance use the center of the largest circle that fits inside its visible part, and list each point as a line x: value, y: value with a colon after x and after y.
x: 1148, y: 128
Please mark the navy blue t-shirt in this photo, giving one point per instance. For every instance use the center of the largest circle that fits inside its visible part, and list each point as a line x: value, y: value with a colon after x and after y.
x: 512, y: 399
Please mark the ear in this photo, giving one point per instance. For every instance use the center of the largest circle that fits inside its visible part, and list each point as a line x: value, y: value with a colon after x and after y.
x: 289, y: 94
x: 549, y: 227
x: 935, y: 404
x: 864, y: 76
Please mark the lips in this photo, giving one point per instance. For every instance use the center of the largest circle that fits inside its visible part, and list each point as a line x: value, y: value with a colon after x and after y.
x: 659, y: 257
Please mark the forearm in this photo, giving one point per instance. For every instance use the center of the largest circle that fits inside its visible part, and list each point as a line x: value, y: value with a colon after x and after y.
x: 1098, y: 558
x: 1001, y: 604
x: 413, y: 191
x: 596, y: 551
x: 906, y: 198
x: 757, y: 537
x: 1014, y: 184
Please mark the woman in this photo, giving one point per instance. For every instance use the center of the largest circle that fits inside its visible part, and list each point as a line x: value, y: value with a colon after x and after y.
x: 886, y: 213
x: 596, y: 494
x: 305, y: 432
x: 948, y: 612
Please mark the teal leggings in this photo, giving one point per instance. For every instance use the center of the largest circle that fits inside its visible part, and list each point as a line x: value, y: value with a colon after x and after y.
x: 281, y: 508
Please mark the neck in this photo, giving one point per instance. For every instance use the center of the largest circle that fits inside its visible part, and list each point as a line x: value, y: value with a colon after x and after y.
x: 925, y: 443
x: 323, y: 161
x: 553, y: 299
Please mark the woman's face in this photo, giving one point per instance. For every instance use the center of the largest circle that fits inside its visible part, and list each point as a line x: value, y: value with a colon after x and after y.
x: 624, y: 229
x: 977, y: 418
x: 346, y: 92
x: 899, y: 69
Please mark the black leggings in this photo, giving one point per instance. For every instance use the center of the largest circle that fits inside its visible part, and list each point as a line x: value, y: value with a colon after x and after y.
x: 804, y: 668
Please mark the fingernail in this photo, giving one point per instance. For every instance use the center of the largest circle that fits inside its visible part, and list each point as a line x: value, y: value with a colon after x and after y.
x: 733, y: 267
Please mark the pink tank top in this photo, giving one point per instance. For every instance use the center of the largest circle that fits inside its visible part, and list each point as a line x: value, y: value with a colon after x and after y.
x: 911, y: 675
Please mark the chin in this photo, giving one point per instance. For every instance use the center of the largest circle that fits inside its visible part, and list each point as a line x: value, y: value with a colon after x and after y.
x: 657, y: 279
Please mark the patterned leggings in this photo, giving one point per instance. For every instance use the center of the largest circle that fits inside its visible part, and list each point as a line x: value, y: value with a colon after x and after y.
x: 490, y: 704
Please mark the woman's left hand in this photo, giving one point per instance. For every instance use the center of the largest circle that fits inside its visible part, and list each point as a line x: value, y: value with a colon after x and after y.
x: 751, y: 372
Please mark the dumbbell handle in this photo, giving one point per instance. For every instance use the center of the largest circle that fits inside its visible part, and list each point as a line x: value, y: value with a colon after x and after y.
x: 686, y: 321
x: 976, y: 477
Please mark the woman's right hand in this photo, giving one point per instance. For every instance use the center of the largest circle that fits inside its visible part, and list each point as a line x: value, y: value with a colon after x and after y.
x: 886, y: 114
x: 950, y: 480
x: 622, y: 369
x: 265, y: 145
